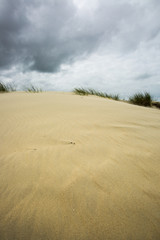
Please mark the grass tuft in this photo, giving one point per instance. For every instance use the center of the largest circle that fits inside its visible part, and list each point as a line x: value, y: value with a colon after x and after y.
x: 141, y: 99
x: 6, y: 87
x: 90, y: 91
x: 156, y: 104
x: 3, y: 87
x: 33, y: 89
x: 114, y: 97
x: 81, y: 91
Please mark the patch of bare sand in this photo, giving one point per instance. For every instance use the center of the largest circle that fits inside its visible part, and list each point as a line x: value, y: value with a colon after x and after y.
x: 105, y: 186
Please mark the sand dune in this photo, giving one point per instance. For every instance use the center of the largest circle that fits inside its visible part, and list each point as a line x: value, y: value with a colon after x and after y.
x: 78, y: 168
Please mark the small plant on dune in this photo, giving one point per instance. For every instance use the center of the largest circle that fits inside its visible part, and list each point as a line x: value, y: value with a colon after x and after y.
x: 100, y: 94
x: 142, y: 99
x: 81, y: 91
x: 156, y: 104
x: 90, y: 91
x: 114, y: 97
x: 3, y: 87
x: 33, y: 89
x: 7, y: 87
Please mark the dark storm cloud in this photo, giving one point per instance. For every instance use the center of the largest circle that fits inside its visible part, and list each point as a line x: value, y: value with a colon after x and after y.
x: 42, y: 35
x: 30, y: 33
x: 12, y: 21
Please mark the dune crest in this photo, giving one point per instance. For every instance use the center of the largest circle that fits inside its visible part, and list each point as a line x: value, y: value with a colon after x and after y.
x: 78, y: 167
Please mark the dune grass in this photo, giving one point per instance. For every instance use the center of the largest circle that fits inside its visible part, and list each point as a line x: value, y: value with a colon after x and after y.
x: 3, y: 87
x: 90, y: 91
x: 156, y: 104
x: 141, y: 99
x: 6, y: 87
x: 32, y: 89
x: 114, y: 97
x: 81, y: 91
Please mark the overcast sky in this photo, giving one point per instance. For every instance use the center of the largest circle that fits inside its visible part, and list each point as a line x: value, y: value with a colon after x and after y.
x: 109, y: 45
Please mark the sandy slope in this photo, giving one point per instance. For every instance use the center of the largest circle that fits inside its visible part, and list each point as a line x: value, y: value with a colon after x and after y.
x: 105, y: 186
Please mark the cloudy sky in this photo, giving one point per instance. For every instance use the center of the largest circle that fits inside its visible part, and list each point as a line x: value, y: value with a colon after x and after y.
x: 112, y: 46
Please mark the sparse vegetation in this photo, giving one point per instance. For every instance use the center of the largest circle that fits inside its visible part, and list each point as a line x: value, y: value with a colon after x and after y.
x: 3, y: 87
x: 156, y: 104
x: 33, y: 89
x: 81, y: 91
x: 141, y: 99
x: 6, y: 87
x: 90, y: 91
x: 114, y: 97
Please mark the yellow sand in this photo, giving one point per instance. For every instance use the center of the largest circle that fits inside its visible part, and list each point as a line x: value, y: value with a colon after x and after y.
x: 105, y: 186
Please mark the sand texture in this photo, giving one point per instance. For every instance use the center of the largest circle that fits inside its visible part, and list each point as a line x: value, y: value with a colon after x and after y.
x: 78, y: 168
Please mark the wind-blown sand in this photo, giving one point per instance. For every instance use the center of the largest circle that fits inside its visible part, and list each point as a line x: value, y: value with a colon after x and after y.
x: 105, y: 186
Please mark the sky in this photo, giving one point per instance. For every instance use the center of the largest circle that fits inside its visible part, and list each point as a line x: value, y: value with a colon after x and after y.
x: 111, y: 46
